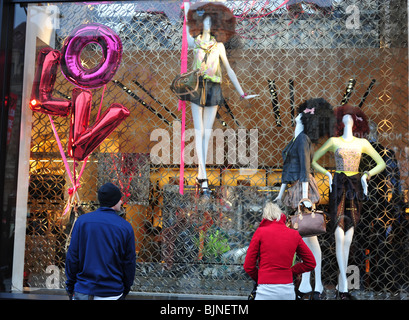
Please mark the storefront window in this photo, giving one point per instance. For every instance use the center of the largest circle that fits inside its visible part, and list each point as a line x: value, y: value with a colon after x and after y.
x: 13, y: 87
x: 286, y: 52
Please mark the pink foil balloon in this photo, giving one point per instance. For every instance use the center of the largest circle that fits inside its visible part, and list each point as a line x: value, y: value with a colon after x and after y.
x: 80, y: 37
x: 84, y: 139
x: 44, y: 79
x: 79, y: 116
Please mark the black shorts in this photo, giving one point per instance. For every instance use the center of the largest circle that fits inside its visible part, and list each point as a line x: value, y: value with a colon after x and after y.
x: 213, y: 93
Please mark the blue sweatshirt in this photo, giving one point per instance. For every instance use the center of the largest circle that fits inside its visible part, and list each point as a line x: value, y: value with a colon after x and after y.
x: 101, y: 257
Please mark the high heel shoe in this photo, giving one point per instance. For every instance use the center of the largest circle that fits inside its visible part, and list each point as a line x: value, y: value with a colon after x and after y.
x: 317, y: 296
x: 199, y: 182
x: 198, y: 185
x: 302, y: 295
x: 345, y: 296
x: 207, y: 192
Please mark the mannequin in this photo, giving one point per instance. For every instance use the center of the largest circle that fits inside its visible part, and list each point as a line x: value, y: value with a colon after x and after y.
x: 208, y: 51
x: 348, y: 185
x: 314, y: 120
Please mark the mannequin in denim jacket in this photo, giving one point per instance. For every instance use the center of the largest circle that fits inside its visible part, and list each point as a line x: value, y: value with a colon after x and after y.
x: 310, y: 111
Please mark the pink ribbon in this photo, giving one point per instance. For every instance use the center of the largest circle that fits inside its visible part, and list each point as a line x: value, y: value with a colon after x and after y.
x: 76, y: 186
x: 73, y: 189
x: 312, y: 110
x: 64, y: 158
x: 182, y: 106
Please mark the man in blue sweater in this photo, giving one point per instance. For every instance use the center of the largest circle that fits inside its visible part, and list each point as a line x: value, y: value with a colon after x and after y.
x: 100, y: 262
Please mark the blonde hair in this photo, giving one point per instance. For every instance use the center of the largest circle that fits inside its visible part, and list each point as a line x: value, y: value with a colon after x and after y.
x: 271, y: 211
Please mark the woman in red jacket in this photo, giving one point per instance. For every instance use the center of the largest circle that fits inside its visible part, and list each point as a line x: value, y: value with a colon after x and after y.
x: 273, y: 245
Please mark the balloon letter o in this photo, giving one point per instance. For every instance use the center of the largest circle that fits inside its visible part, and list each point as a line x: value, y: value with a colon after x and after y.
x: 80, y: 37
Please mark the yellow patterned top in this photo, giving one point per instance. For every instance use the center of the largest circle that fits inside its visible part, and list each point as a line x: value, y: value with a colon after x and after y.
x: 211, y: 67
x: 348, y: 155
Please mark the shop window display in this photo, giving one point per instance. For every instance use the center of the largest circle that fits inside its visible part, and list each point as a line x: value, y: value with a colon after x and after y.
x: 286, y: 52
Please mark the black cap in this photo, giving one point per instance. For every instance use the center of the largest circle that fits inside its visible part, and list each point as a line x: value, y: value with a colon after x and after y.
x: 109, y: 195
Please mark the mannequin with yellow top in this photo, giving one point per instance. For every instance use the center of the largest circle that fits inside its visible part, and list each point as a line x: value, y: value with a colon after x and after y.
x: 209, y: 25
x: 348, y: 186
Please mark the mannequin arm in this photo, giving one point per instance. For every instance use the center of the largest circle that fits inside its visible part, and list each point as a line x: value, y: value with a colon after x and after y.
x: 231, y: 73
x: 281, y: 193
x: 328, y: 174
x: 190, y: 39
x: 305, y: 190
x: 229, y: 70
x: 380, y: 164
x: 364, y: 182
x: 305, y: 194
x: 327, y: 146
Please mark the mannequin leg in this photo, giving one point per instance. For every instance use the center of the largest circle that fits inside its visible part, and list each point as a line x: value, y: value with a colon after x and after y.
x: 343, y: 242
x: 203, y: 120
x: 305, y: 285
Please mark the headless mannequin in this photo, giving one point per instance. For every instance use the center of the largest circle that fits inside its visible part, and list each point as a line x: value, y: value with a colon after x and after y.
x: 203, y: 117
x: 311, y: 242
x: 343, y: 239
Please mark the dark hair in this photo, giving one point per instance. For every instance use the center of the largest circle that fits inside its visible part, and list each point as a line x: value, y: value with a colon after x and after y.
x: 317, y: 117
x: 223, y: 21
x: 360, y: 128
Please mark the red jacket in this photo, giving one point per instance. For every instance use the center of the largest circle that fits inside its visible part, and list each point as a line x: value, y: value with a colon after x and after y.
x: 274, y: 245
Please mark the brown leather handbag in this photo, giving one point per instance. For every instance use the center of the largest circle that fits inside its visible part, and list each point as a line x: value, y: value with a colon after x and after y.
x: 186, y: 85
x: 309, y: 222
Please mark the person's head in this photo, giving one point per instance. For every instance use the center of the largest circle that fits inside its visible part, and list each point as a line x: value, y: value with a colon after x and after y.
x: 360, y: 127
x: 110, y: 196
x: 272, y: 211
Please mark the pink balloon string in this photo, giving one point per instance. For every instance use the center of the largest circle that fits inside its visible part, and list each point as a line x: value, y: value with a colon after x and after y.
x: 64, y: 158
x: 182, y: 106
x: 75, y: 186
x: 102, y: 99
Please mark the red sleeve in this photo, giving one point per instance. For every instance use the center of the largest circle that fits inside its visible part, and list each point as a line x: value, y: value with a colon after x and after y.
x: 308, y: 261
x: 250, y: 262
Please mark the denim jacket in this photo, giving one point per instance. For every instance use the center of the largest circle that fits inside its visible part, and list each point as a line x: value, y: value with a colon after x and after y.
x: 297, y: 156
